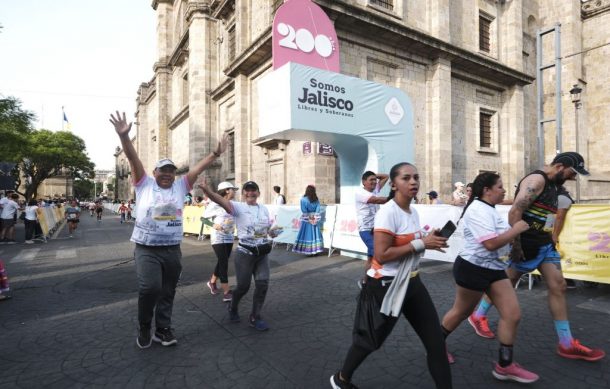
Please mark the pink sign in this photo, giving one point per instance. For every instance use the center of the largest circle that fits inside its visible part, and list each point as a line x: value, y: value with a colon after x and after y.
x: 304, y: 34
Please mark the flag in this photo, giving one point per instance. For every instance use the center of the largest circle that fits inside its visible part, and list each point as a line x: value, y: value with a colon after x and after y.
x: 65, y: 120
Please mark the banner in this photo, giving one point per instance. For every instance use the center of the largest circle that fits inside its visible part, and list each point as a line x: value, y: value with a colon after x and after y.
x: 191, y: 220
x: 584, y: 243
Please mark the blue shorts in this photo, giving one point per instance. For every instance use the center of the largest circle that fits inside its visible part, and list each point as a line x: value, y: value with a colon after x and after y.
x: 546, y: 254
x: 367, y: 238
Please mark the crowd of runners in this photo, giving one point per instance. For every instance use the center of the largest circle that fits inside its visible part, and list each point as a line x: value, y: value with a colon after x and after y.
x: 495, y: 255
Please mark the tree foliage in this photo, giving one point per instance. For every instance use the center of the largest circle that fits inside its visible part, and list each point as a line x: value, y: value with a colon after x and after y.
x: 83, y: 189
x: 38, y: 154
x: 53, y: 153
x: 15, y: 126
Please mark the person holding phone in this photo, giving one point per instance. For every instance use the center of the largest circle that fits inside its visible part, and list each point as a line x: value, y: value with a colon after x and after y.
x: 393, y: 286
x: 480, y: 268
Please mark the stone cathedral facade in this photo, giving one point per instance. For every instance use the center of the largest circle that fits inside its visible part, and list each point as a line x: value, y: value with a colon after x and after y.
x: 468, y: 66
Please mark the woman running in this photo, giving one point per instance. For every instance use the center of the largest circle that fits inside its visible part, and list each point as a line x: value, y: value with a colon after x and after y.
x: 222, y: 240
x: 480, y: 268
x: 393, y: 285
x: 253, y: 231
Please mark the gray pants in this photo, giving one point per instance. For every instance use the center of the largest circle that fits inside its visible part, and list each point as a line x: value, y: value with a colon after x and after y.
x: 247, y: 266
x: 158, y: 269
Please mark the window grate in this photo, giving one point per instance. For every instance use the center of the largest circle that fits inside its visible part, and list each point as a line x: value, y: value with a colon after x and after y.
x: 485, y: 130
x: 484, y: 34
x: 387, y: 4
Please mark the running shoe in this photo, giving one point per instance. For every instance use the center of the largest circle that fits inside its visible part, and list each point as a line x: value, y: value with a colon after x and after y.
x: 165, y: 337
x: 144, y: 339
x: 481, y: 326
x: 227, y: 297
x: 514, y: 372
x: 338, y: 383
x: 213, y: 287
x: 29, y: 242
x: 578, y: 351
x: 258, y: 324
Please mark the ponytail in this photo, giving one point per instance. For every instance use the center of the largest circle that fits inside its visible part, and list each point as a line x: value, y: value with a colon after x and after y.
x: 482, y: 181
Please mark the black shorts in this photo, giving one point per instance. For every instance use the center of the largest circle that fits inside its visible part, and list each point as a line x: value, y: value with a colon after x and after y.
x: 475, y: 277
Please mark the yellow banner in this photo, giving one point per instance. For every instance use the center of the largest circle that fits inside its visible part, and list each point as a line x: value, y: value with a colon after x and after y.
x: 42, y: 219
x: 191, y: 220
x: 585, y: 243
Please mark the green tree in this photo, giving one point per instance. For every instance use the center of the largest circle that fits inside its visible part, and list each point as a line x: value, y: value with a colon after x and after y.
x: 15, y: 127
x: 83, y: 189
x: 49, y: 154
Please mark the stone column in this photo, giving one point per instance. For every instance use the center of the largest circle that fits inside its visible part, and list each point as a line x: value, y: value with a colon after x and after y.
x: 511, y: 35
x: 243, y: 135
x: 202, y: 137
x: 439, y: 19
x: 512, y: 139
x: 438, y: 170
x: 163, y: 76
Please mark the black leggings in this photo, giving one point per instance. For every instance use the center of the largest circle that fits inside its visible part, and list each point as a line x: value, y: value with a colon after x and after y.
x: 419, y: 310
x: 223, y: 252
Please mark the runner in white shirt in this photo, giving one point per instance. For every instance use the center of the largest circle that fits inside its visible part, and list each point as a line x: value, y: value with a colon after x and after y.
x: 394, y: 288
x: 480, y: 268
x: 158, y: 233
x: 367, y: 204
x: 222, y: 240
x: 9, y: 210
x: 251, y: 261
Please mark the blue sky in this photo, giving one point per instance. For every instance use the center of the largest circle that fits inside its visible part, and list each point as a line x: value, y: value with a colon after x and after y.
x: 88, y: 56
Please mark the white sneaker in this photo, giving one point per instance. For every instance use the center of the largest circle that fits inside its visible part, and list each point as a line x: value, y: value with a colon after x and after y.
x: 29, y: 242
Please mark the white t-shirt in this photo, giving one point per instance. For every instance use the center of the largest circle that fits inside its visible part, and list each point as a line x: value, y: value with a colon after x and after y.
x: 365, y: 211
x: 8, y: 209
x: 253, y: 223
x: 482, y: 222
x: 159, y: 212
x: 401, y: 225
x: 224, y: 219
x: 279, y: 200
x: 30, y: 212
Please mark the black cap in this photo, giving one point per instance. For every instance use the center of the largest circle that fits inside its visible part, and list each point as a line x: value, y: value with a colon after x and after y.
x: 432, y: 194
x: 250, y: 185
x: 573, y: 160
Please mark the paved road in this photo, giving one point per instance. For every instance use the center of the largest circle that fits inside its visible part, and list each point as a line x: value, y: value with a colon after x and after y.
x: 72, y: 323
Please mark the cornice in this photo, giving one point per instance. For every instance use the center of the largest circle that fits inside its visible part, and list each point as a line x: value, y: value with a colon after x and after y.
x: 156, y: 3
x: 257, y: 53
x: 179, y: 118
x: 594, y: 7
x: 181, y: 51
x: 221, y: 90
x: 355, y: 19
x: 196, y: 7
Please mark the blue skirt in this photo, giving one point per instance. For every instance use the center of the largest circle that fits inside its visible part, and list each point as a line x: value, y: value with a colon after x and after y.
x: 309, y: 240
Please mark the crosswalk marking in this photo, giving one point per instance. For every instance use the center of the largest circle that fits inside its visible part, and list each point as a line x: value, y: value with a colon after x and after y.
x: 25, y: 255
x: 65, y: 253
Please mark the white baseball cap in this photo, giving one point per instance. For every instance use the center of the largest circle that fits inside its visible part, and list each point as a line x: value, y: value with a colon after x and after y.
x: 165, y: 162
x: 226, y: 185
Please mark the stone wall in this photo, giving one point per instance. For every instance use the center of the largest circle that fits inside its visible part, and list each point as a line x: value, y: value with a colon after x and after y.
x: 447, y: 90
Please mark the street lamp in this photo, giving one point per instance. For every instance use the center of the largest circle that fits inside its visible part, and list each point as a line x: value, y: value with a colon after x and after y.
x: 575, y: 96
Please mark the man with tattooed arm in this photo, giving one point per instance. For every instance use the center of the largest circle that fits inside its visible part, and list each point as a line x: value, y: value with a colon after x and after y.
x: 536, y: 203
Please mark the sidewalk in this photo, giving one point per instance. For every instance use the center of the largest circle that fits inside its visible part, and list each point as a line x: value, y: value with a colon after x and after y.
x: 72, y: 323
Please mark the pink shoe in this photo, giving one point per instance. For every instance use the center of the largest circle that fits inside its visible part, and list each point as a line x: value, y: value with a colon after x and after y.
x: 578, y: 351
x: 514, y: 372
x: 213, y: 287
x: 481, y: 326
